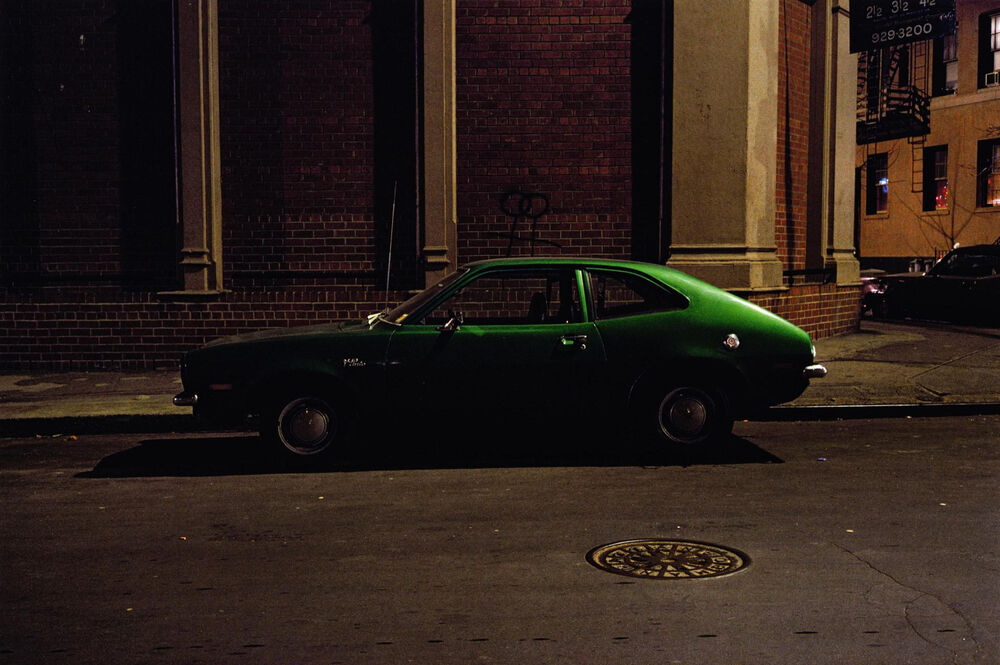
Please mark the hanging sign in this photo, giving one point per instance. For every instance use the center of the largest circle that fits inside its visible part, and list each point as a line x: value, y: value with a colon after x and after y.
x: 879, y: 23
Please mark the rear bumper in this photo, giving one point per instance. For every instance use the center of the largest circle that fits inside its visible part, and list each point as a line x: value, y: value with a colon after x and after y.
x: 778, y: 386
x: 814, y: 372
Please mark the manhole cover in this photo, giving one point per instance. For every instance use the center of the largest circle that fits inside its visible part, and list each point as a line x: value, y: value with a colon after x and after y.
x: 667, y: 559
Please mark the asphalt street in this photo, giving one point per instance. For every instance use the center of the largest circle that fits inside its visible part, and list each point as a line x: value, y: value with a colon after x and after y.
x: 869, y: 541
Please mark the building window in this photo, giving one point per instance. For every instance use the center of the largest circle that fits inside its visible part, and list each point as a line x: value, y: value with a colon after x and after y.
x: 989, y: 49
x: 995, y: 40
x: 988, y: 169
x: 877, y: 199
x: 873, y: 79
x: 945, y: 72
x: 936, y: 178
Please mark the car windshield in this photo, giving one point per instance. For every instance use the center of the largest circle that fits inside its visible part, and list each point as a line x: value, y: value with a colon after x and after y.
x: 403, y: 310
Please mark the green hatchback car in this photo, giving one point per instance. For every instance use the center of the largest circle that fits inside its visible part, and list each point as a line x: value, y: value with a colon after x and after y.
x: 676, y: 357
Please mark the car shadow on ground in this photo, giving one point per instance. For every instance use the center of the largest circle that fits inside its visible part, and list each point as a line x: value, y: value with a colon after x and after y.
x: 243, y: 454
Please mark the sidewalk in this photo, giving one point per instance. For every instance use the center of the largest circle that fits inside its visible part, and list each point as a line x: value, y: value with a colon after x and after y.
x: 884, y: 363
x: 908, y: 363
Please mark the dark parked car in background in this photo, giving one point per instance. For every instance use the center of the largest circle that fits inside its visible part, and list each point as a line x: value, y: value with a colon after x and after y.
x: 963, y: 287
x: 872, y: 290
x: 578, y: 339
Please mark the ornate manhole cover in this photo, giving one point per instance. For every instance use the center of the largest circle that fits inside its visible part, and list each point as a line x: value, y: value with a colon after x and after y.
x: 667, y: 559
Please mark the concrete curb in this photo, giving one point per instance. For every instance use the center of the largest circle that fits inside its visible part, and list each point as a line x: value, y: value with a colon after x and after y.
x: 872, y: 411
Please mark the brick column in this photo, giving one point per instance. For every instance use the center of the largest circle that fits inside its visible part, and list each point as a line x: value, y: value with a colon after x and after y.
x: 440, y: 216
x: 725, y: 109
x: 200, y: 185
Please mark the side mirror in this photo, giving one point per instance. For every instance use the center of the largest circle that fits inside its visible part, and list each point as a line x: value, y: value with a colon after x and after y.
x: 454, y: 322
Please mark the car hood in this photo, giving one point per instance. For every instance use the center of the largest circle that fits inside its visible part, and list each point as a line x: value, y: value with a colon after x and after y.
x: 271, y: 334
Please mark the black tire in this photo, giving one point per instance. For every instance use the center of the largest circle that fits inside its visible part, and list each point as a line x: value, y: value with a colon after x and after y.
x: 688, y: 415
x: 304, y: 426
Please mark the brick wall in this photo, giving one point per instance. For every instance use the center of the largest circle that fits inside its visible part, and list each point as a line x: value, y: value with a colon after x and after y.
x: 543, y: 106
x: 297, y: 129
x: 793, y: 133
x: 138, y: 331
x: 821, y: 310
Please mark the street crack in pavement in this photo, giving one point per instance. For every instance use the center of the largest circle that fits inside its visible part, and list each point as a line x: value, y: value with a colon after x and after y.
x: 923, y: 609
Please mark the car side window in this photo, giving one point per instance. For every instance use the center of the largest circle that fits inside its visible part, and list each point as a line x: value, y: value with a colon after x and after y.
x: 513, y: 297
x: 619, y: 294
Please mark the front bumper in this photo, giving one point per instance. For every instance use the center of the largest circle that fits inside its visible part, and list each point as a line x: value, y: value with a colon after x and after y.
x: 186, y: 399
x: 223, y: 407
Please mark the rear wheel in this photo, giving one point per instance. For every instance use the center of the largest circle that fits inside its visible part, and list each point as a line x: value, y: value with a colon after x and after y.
x: 690, y: 415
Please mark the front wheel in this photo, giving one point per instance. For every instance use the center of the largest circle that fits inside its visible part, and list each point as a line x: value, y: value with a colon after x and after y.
x: 306, y: 426
x: 688, y: 415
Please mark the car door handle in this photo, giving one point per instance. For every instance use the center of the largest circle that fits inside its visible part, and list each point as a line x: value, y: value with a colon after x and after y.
x: 579, y: 341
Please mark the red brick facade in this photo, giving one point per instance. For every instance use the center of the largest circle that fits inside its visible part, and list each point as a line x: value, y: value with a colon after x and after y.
x: 793, y: 134
x: 297, y: 137
x: 821, y: 310
x: 543, y: 107
x: 88, y: 239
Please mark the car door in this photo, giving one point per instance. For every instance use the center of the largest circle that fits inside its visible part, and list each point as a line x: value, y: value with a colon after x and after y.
x: 639, y: 323
x: 506, y: 338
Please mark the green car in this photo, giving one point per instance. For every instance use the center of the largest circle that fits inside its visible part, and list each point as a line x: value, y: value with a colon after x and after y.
x: 677, y: 357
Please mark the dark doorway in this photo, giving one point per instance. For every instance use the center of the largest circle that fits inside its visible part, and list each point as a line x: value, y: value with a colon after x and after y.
x: 148, y: 142
x: 652, y: 127
x: 19, y: 229
x: 396, y: 65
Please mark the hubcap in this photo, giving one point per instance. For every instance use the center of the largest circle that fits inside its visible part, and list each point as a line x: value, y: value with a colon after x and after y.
x: 685, y: 415
x: 306, y: 426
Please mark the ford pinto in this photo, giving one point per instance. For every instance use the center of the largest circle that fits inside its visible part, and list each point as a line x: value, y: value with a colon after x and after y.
x: 676, y: 357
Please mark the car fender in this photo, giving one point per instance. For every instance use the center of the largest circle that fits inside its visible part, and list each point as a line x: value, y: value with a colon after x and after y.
x: 324, y: 378
x: 726, y: 379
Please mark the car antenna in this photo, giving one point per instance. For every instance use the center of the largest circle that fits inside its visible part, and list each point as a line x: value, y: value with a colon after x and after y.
x: 392, y: 227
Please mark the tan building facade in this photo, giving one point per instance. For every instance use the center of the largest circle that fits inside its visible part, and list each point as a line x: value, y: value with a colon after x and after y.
x: 928, y: 162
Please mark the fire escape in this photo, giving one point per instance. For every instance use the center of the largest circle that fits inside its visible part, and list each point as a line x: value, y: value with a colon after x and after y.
x: 893, y: 102
x: 892, y: 98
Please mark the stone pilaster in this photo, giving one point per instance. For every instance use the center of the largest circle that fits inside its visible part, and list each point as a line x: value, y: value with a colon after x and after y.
x: 440, y: 215
x: 725, y: 109
x: 200, y: 184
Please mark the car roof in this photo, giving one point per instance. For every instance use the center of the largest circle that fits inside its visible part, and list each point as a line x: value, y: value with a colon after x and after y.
x: 587, y: 261
x: 978, y: 249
